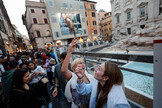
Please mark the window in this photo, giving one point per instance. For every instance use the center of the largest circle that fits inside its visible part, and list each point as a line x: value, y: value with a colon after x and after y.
x: 81, y: 7
x: 65, y: 5
x: 118, y: 31
x: 142, y: 11
x: 160, y: 2
x: 38, y: 34
x: 142, y: 26
x: 53, y: 19
x: 45, y: 21
x: 32, y: 10
x: 35, y: 21
x: 71, y: 6
x: 48, y: 33
x: 118, y: 19
x: 87, y: 22
x: 128, y: 16
x: 83, y: 19
x: 50, y: 3
x: 129, y: 30
x: 93, y: 14
x: 43, y: 11
x: 92, y: 6
x: 84, y: 6
x: 86, y: 14
x: 94, y: 22
x: 160, y: 7
x: 85, y: 31
x: 57, y: 34
x: 95, y: 31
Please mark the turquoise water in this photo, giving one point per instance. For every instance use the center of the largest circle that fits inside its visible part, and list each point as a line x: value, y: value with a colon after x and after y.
x: 137, y: 81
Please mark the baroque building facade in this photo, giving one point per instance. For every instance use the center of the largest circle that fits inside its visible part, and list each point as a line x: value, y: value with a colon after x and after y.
x: 132, y: 15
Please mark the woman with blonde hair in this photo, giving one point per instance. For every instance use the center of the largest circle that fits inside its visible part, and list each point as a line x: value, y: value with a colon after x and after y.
x: 81, y: 101
x: 106, y: 90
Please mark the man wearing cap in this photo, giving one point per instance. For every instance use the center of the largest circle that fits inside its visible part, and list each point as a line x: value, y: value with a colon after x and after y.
x: 24, y: 61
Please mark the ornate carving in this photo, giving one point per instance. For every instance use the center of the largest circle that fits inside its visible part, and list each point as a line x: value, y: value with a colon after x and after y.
x: 117, y: 14
x: 142, y: 4
x: 128, y: 22
x: 128, y: 10
x: 117, y: 2
x: 118, y: 25
x: 127, y: 2
x: 144, y: 18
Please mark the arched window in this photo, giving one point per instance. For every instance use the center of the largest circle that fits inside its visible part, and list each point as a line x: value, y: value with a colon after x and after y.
x: 38, y: 33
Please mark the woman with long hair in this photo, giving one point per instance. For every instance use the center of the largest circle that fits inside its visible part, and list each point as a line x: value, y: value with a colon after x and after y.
x: 37, y: 73
x: 106, y: 90
x: 81, y: 101
x: 23, y: 95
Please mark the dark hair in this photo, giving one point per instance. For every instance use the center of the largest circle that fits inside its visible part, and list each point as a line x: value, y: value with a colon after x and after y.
x: 51, y: 50
x: 29, y: 63
x: 18, y: 78
x: 49, y: 55
x: 63, y: 55
x: 115, y: 77
x: 13, y: 64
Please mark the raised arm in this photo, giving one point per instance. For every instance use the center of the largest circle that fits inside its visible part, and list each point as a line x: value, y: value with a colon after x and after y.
x: 82, y: 88
x: 65, y: 71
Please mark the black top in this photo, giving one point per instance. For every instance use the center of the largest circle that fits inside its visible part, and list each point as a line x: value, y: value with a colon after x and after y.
x: 61, y: 80
x: 23, y: 64
x: 22, y: 98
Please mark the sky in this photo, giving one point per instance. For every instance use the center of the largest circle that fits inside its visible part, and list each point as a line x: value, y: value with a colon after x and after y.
x: 15, y: 9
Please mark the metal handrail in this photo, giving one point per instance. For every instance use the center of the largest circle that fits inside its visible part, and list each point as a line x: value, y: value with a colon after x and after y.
x: 126, y: 69
x: 128, y: 57
x: 133, y: 57
x: 137, y: 72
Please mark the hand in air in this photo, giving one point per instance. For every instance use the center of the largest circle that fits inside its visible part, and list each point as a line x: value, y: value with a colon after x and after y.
x: 72, y: 45
x: 79, y: 71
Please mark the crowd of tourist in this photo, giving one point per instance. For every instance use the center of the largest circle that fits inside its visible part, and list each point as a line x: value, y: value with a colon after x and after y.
x: 36, y: 80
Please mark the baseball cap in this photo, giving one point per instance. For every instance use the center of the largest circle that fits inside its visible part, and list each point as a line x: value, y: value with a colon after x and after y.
x: 1, y: 56
x: 23, y: 57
